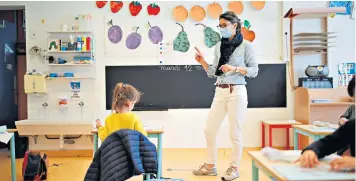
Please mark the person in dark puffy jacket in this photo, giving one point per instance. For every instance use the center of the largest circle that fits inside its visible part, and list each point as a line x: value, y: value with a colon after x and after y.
x: 123, y: 154
x: 349, y: 113
x: 342, y: 137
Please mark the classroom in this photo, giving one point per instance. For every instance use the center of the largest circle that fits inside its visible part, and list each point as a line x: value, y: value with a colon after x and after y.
x: 177, y: 90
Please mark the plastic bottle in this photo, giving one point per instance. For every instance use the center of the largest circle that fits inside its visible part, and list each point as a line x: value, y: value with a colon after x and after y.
x: 84, y: 45
x: 88, y: 43
x: 89, y: 21
x: 79, y: 43
x: 76, y: 24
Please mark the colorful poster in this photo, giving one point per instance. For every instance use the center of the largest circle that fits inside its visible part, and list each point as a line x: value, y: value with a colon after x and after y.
x: 75, y: 89
x: 347, y: 4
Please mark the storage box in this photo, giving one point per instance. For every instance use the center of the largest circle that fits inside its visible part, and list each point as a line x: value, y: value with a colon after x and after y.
x: 316, y: 83
x: 35, y: 84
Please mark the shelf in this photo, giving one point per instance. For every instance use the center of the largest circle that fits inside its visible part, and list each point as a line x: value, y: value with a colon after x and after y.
x: 310, y: 53
x: 310, y: 13
x: 69, y: 51
x: 312, y: 34
x: 314, y: 38
x: 70, y: 64
x: 331, y: 103
x: 87, y: 32
x: 68, y: 78
x: 312, y: 43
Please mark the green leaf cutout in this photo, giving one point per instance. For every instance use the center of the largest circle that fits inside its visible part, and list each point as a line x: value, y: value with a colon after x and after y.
x: 247, y: 24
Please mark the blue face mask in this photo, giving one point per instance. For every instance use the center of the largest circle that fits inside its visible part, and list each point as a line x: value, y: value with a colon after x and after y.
x: 225, y: 32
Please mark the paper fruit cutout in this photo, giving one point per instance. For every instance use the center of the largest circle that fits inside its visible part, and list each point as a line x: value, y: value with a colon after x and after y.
x: 236, y: 7
x: 258, y: 5
x: 133, y: 41
x: 180, y: 14
x: 197, y: 13
x: 214, y: 10
x: 116, y: 6
x: 153, y: 9
x: 181, y: 43
x: 135, y: 8
x: 114, y: 33
x: 100, y: 4
x: 155, y: 34
x: 211, y: 37
x: 248, y: 34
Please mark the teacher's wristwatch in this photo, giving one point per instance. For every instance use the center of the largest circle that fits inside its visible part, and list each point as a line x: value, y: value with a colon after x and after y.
x: 237, y: 70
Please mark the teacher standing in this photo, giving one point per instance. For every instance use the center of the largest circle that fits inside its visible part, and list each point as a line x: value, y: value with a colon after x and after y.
x: 234, y: 59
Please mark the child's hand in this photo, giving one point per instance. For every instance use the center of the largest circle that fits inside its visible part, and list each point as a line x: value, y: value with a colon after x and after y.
x: 342, y: 163
x: 342, y: 121
x: 308, y: 159
x: 98, y: 124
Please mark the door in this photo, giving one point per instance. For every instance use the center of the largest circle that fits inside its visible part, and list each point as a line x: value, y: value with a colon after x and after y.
x: 8, y: 102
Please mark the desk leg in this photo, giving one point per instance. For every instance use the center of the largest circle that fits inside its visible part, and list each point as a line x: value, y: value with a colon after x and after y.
x: 159, y: 155
x: 13, y: 160
x: 263, y: 135
x: 270, y: 135
x: 95, y: 142
x: 254, y: 172
x: 287, y: 137
x: 295, y: 139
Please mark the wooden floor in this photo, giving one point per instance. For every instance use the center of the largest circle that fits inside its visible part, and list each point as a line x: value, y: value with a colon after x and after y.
x: 182, y: 161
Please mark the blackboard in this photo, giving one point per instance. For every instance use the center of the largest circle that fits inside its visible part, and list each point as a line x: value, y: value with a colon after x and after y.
x: 188, y: 86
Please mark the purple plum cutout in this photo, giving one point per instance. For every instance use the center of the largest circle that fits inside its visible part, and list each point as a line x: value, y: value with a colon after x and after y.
x: 155, y: 34
x: 114, y: 33
x: 133, y: 41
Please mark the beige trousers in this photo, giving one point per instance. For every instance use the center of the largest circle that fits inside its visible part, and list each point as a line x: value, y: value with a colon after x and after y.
x: 235, y: 105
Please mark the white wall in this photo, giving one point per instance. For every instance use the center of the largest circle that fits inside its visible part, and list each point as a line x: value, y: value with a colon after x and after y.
x: 184, y: 128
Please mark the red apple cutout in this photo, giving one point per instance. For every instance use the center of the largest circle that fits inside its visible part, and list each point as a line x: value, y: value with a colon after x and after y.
x: 248, y: 34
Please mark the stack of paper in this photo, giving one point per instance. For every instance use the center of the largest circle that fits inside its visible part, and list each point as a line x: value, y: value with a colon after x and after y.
x: 4, y: 135
x: 322, y: 172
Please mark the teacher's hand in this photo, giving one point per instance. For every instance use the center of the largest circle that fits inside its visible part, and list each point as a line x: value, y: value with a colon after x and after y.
x: 228, y: 68
x: 199, y: 56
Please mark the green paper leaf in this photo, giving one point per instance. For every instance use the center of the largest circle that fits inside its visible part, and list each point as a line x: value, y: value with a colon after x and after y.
x: 247, y: 24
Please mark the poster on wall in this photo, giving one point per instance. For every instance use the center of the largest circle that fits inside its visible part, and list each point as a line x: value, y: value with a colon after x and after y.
x: 346, y: 4
x: 75, y: 90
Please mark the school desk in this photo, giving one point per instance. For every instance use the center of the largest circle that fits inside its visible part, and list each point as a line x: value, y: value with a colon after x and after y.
x: 150, y: 134
x: 310, y: 131
x: 12, y: 154
x: 276, y: 124
x: 273, y: 169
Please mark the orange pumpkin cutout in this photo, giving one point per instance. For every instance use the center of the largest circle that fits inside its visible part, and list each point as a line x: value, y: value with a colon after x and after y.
x: 236, y: 7
x: 197, y: 13
x: 180, y: 14
x: 214, y: 10
x: 258, y: 5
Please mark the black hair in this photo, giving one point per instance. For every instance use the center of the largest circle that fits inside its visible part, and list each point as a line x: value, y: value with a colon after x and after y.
x: 351, y: 87
x: 232, y: 18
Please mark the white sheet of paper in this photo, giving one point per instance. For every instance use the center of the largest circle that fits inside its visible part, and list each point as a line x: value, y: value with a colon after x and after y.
x: 5, y: 137
x: 322, y: 172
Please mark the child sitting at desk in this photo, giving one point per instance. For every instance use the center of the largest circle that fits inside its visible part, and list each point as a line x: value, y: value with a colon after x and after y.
x: 124, y: 98
x: 349, y: 114
x: 342, y: 137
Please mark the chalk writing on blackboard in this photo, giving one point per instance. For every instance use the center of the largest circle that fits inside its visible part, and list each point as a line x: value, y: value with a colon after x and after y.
x: 187, y: 68
x: 170, y: 68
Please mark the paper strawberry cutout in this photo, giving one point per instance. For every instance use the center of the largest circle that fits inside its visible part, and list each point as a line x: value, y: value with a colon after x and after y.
x: 153, y: 9
x: 101, y: 4
x: 116, y: 6
x: 135, y: 8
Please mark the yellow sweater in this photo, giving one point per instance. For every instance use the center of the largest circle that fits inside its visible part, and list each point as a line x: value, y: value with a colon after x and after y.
x: 118, y: 121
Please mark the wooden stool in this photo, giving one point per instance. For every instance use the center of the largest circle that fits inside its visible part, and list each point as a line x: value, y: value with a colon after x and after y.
x: 276, y: 124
